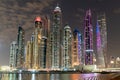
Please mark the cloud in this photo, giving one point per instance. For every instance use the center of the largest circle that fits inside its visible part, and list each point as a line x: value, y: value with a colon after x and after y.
x: 15, y: 12
x: 116, y: 11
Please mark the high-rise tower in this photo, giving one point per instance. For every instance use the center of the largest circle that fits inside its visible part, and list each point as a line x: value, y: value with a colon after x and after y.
x: 67, y: 48
x: 76, y: 48
x: 100, y: 57
x: 55, y: 38
x: 101, y: 18
x: 20, y: 51
x: 88, y: 39
x: 13, y: 51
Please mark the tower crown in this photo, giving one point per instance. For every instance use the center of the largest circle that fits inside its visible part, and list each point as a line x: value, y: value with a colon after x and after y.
x: 38, y: 19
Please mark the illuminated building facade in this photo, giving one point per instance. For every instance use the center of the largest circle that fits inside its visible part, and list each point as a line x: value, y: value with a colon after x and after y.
x: 101, y: 18
x: 88, y: 39
x: 13, y: 51
x: 55, y: 39
x: 20, y: 51
x: 67, y: 47
x: 76, y: 48
x: 29, y: 55
x: 100, y: 57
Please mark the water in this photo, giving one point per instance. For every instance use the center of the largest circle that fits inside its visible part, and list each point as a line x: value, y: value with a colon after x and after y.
x: 28, y: 76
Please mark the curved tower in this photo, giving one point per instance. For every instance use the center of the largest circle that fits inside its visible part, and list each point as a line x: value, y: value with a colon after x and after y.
x: 88, y: 39
x: 101, y: 18
x: 55, y: 38
x: 67, y: 49
x: 100, y: 57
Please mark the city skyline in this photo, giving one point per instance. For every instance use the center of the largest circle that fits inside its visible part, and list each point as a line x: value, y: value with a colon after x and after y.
x: 6, y: 40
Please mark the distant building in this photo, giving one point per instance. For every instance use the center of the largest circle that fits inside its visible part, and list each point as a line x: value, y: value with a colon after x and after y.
x: 88, y: 39
x: 76, y: 48
x: 20, y: 51
x: 67, y: 48
x: 13, y: 52
x: 117, y: 62
x: 112, y: 62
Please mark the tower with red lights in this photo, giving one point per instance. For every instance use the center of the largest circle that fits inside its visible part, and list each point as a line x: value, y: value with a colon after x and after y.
x: 88, y: 39
x: 37, y: 42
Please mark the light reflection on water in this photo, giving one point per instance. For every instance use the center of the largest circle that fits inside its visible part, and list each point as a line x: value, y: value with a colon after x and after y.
x: 24, y: 76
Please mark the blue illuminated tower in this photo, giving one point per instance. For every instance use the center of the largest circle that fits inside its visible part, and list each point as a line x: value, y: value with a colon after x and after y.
x: 76, y: 48
x: 55, y: 38
x: 88, y: 39
x: 100, y: 56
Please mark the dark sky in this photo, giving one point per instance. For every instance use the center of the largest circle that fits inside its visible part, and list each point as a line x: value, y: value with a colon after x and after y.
x: 15, y: 12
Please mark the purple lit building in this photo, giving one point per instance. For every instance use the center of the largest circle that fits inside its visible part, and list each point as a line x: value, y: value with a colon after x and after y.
x: 88, y: 39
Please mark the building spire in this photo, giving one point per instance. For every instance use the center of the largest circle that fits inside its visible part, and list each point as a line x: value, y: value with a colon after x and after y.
x: 57, y: 8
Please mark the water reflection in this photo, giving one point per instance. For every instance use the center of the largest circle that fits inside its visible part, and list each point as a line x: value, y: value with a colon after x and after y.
x: 33, y: 77
x: 54, y: 77
x: 28, y: 76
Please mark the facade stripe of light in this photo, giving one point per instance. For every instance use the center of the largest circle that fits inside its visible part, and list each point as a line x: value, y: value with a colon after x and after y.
x: 88, y: 39
x: 76, y: 49
x: 67, y: 48
x: 100, y: 57
x: 55, y: 38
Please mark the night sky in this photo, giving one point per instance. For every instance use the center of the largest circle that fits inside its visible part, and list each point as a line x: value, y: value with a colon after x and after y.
x: 23, y: 12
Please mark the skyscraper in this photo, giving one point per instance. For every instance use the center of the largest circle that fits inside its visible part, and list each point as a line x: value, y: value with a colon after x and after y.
x: 100, y: 56
x: 76, y: 48
x: 67, y: 48
x: 88, y: 39
x: 13, y: 51
x: 55, y: 38
x: 101, y: 18
x: 20, y: 51
x: 37, y: 42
